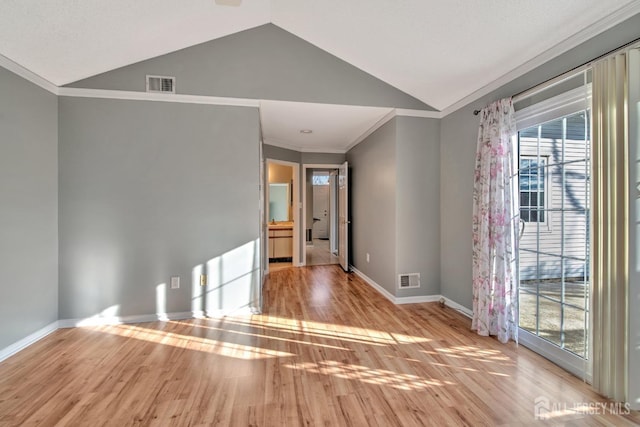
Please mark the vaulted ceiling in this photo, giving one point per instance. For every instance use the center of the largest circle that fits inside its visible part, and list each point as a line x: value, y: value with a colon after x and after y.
x: 438, y: 51
x: 441, y: 52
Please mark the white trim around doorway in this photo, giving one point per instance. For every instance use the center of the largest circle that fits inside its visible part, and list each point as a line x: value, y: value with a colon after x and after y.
x: 297, y: 208
x: 303, y: 210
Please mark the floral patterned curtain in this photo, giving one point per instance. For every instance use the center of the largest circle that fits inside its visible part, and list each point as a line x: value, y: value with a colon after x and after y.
x: 495, y: 223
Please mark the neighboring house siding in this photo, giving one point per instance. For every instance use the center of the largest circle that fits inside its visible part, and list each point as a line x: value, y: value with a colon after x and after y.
x: 545, y: 261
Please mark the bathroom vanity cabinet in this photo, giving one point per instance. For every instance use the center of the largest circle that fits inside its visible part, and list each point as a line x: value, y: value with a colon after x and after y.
x: 280, y: 242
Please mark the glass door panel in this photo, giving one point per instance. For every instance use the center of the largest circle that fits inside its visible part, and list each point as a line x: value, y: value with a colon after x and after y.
x: 554, y: 246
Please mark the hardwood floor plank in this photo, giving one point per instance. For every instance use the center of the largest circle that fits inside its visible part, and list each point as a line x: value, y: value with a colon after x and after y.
x: 328, y: 350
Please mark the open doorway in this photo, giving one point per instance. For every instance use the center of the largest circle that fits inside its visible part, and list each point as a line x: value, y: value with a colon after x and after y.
x: 322, y: 246
x: 321, y: 215
x: 282, y: 219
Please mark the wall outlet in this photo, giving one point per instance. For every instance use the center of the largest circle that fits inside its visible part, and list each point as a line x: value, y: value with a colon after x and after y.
x: 367, y: 256
x: 175, y: 282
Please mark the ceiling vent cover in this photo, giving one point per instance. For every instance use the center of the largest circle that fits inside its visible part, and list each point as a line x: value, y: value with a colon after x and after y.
x: 407, y: 281
x: 161, y: 84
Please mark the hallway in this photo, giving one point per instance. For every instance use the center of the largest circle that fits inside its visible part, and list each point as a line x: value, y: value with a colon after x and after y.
x: 319, y: 253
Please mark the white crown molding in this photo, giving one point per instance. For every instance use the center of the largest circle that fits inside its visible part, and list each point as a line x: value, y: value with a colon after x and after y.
x: 395, y: 112
x: 419, y: 113
x: 236, y: 102
x: 28, y: 75
x: 377, y: 125
x: 593, y: 30
x: 283, y: 144
x: 159, y: 97
x: 277, y: 143
x: 25, y: 342
x: 322, y: 150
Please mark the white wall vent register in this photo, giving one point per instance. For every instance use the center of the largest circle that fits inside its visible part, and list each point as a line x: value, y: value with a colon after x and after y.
x: 161, y: 84
x: 411, y: 280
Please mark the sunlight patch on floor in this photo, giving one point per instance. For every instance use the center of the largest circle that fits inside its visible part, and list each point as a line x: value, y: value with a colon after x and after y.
x: 474, y: 352
x: 407, y: 382
x: 190, y: 342
x: 225, y: 329
x: 336, y: 331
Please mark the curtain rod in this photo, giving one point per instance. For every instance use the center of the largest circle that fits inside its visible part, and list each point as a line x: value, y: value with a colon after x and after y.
x: 564, y: 76
x: 546, y: 84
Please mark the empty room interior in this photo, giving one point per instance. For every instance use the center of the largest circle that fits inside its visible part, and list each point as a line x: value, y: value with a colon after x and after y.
x: 279, y: 212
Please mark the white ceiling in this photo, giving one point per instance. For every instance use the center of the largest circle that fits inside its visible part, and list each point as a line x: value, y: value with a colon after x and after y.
x: 441, y: 52
x: 335, y: 128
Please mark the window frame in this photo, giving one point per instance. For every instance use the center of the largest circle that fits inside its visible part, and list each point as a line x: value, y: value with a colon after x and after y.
x: 546, y: 191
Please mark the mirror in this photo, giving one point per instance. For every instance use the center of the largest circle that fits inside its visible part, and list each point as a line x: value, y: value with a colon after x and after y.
x: 278, y: 202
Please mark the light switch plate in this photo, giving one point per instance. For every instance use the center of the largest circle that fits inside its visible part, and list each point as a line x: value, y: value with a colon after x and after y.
x: 175, y: 282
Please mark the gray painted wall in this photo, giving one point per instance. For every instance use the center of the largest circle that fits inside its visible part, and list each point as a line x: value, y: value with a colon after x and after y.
x: 457, y: 153
x: 417, y: 196
x: 279, y: 153
x: 28, y: 208
x: 372, y: 187
x: 150, y: 190
x: 395, y: 189
x: 323, y: 158
x: 457, y: 150
x: 265, y: 62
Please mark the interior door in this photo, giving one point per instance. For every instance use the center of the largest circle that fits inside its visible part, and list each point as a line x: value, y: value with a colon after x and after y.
x: 321, y: 211
x: 343, y: 216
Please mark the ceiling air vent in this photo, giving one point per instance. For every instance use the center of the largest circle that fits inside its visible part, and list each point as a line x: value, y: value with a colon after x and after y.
x: 161, y: 84
x: 411, y: 280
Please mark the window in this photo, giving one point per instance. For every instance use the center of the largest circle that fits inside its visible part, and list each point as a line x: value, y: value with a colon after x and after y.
x: 532, y: 188
x: 320, y: 179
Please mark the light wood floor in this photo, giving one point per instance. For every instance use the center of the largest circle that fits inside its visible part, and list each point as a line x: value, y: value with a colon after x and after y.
x: 320, y: 254
x: 275, y: 266
x: 328, y: 350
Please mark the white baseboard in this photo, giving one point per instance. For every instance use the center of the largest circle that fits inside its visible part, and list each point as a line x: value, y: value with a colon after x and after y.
x: 417, y: 299
x: 118, y: 320
x: 369, y: 281
x: 25, y: 342
x: 411, y: 300
x: 114, y: 320
x: 461, y: 308
x: 141, y: 318
x: 240, y: 312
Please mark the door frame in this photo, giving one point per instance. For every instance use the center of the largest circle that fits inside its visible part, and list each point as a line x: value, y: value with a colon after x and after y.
x: 296, y: 209
x: 305, y: 167
x: 553, y: 108
x: 333, y: 209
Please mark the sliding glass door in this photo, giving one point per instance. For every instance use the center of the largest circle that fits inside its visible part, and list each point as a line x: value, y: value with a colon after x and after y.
x: 554, y: 187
